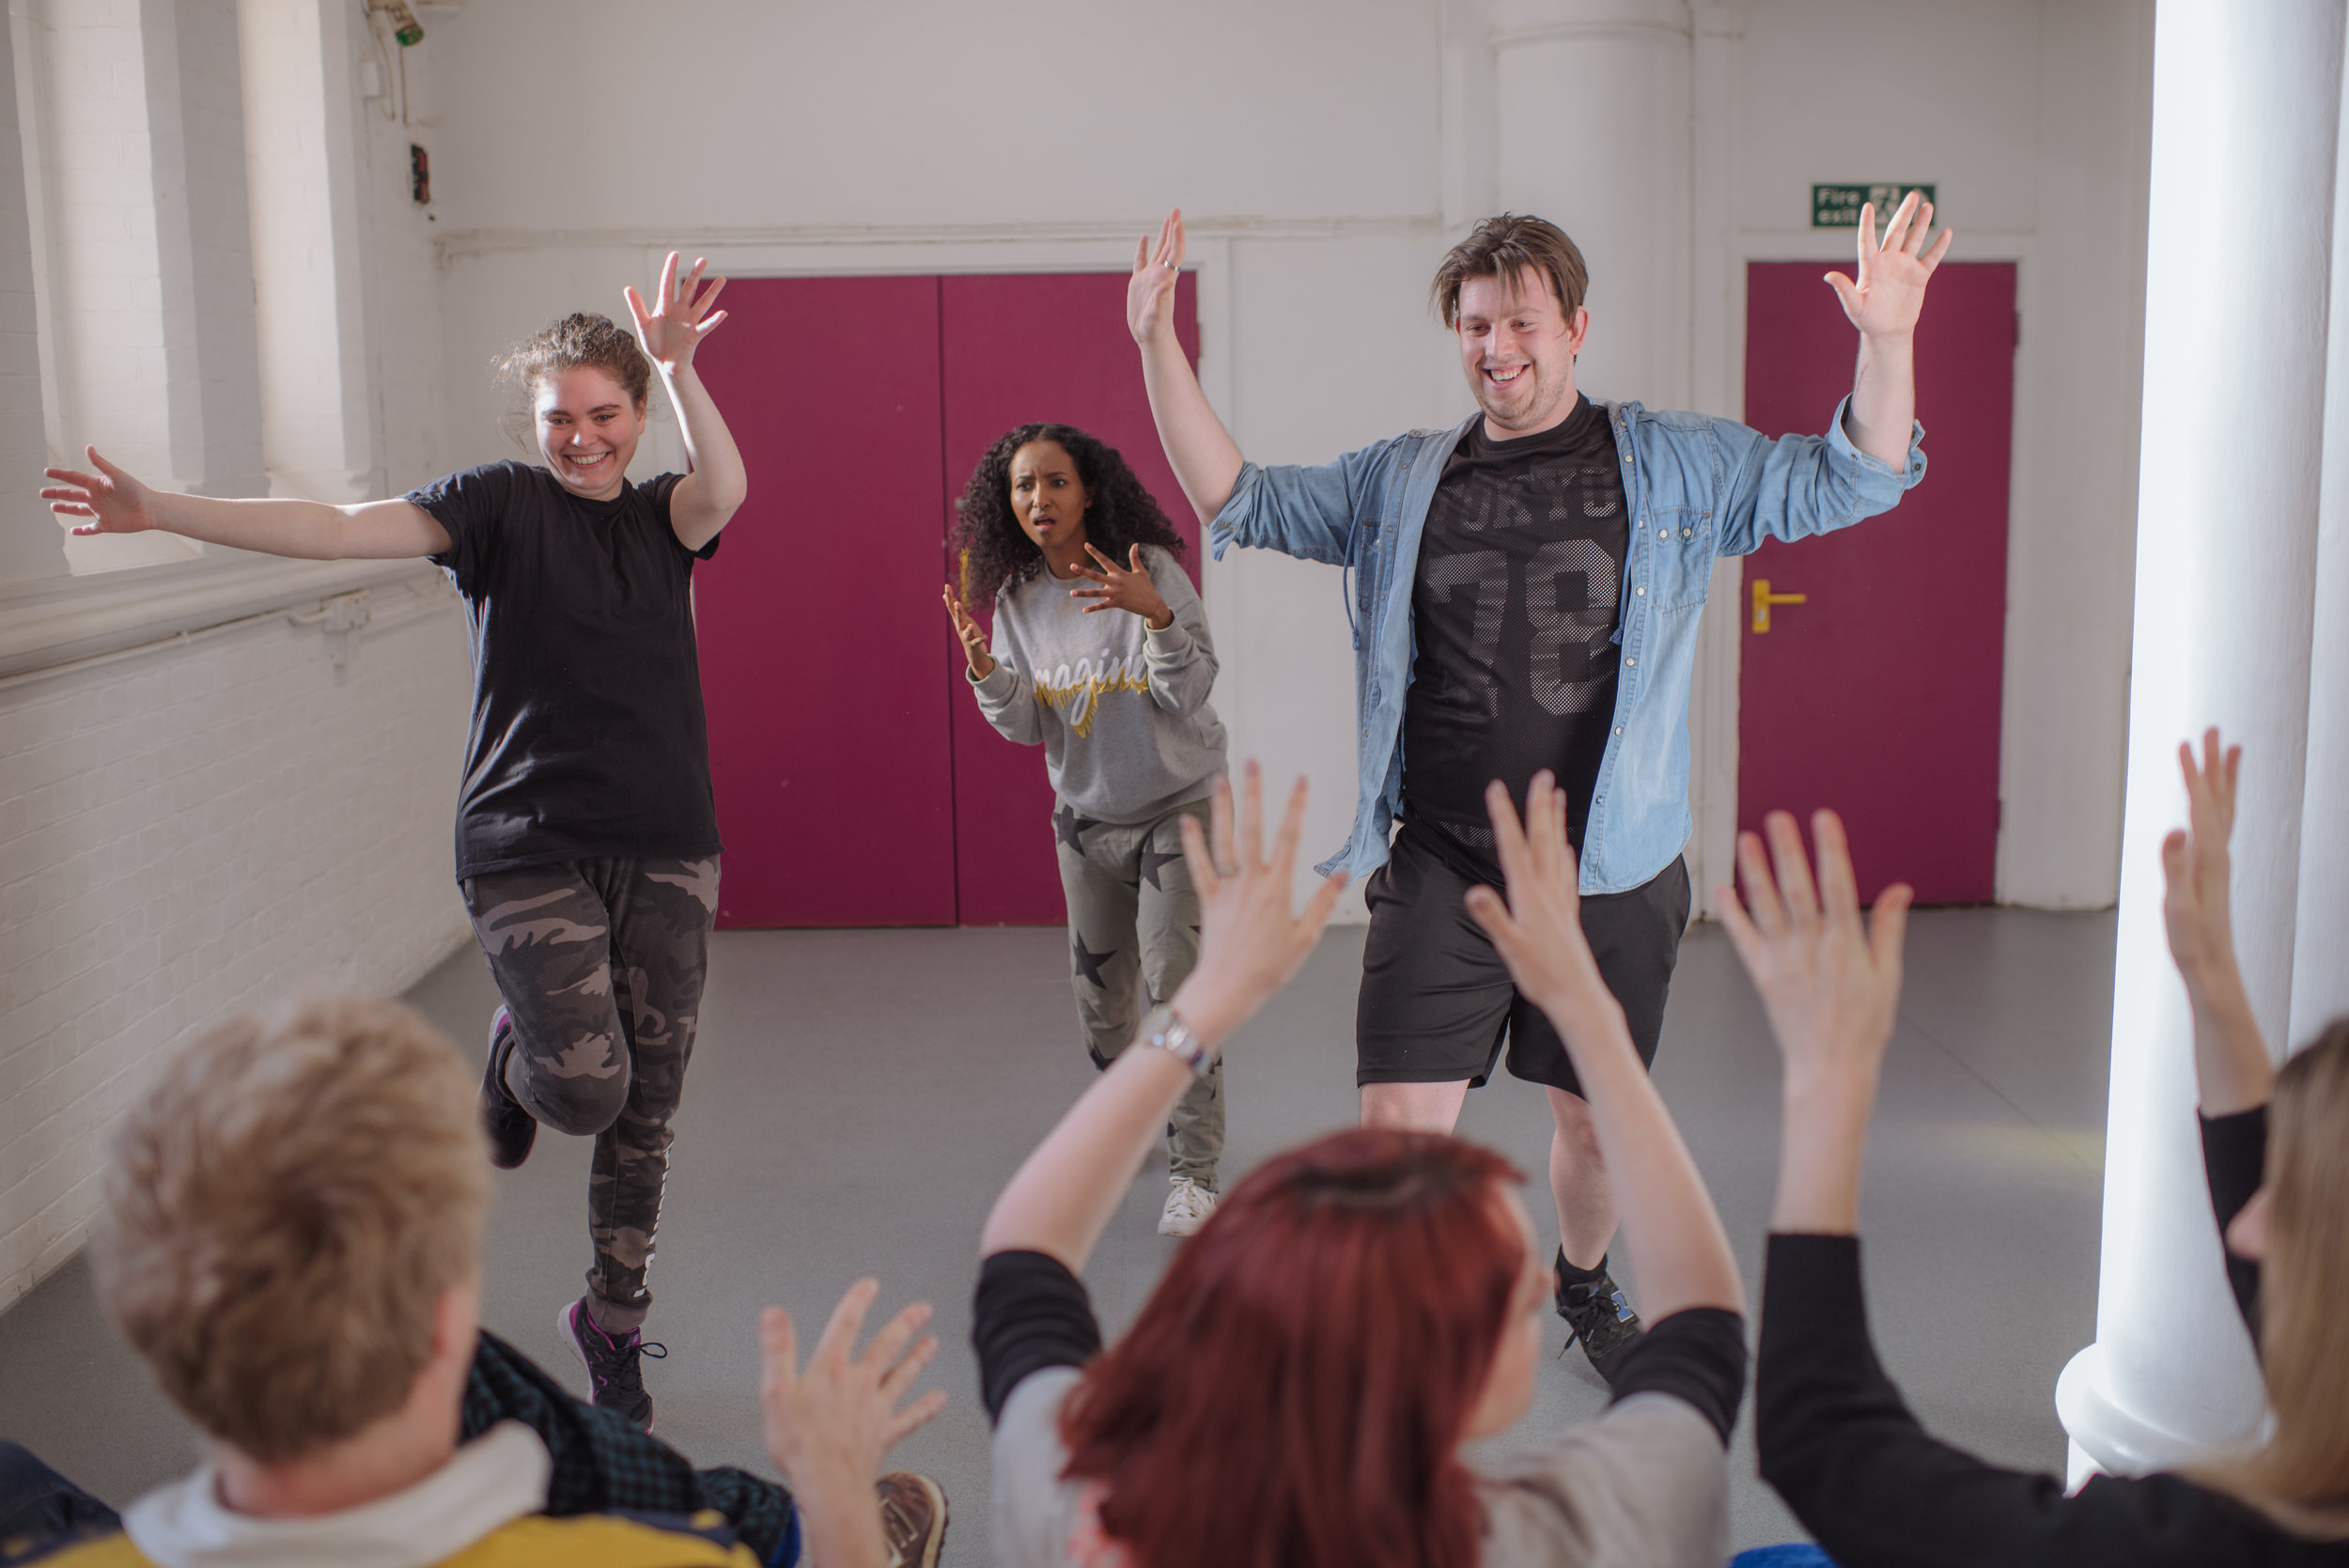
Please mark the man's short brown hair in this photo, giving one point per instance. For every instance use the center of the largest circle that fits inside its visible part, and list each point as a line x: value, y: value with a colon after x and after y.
x: 284, y: 1209
x: 1503, y: 247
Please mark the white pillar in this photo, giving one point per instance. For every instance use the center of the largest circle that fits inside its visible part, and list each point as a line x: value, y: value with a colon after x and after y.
x: 2247, y: 103
x: 1592, y: 133
x: 302, y: 175
x: 2320, y: 966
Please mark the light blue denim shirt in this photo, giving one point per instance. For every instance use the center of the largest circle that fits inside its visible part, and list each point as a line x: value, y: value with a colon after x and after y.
x: 1696, y: 487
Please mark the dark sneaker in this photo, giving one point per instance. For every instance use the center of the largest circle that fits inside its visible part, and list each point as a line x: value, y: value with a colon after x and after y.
x: 511, y: 1128
x: 1600, y: 1318
x: 616, y: 1379
x: 913, y: 1518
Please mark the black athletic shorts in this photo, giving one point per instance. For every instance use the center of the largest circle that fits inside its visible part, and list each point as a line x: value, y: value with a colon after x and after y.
x: 1436, y: 1002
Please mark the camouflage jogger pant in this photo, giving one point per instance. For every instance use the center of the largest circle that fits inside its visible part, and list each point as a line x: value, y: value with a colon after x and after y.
x: 1134, y: 936
x: 601, y: 963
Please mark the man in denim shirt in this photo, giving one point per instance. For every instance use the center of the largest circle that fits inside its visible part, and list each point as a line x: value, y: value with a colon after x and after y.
x: 1525, y: 597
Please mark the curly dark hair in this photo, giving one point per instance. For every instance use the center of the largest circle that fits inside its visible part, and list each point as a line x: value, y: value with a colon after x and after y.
x: 995, y: 552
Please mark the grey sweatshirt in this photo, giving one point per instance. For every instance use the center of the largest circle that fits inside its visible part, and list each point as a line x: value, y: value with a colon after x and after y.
x: 1120, y: 710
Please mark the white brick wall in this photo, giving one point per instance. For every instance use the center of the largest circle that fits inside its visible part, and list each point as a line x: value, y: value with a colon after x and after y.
x: 187, y: 835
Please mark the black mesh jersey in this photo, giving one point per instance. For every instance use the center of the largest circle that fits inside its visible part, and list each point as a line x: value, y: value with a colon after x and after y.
x: 1514, y: 610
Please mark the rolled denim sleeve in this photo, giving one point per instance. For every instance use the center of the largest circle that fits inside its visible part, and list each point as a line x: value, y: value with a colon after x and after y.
x: 1797, y: 486
x: 1307, y: 512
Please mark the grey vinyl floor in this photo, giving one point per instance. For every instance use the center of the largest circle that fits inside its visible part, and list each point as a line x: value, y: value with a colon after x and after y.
x: 858, y: 1098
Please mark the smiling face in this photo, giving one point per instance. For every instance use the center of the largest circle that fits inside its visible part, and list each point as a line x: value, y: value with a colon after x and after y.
x: 1049, y: 500
x: 1517, y: 349
x: 1508, y: 1393
x: 589, y: 428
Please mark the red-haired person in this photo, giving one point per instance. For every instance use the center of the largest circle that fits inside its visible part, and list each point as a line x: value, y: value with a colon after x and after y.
x: 587, y: 836
x: 1297, y: 1389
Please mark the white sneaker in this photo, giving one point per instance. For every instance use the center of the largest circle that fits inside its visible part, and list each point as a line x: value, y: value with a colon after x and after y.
x: 1187, y: 1208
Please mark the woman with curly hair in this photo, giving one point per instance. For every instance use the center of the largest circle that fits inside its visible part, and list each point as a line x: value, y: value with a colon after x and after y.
x: 1056, y: 530
x: 586, y: 836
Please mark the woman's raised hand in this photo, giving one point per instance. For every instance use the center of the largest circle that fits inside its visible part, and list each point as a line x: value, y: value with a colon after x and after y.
x: 973, y: 635
x: 1150, y: 297
x: 113, y: 501
x: 1249, y: 942
x: 672, y: 331
x: 2195, y: 866
x: 1538, y: 933
x: 1127, y: 587
x: 1830, y: 982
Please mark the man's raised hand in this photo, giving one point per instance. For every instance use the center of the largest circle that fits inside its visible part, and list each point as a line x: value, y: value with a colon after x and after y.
x: 673, y: 330
x: 1249, y: 942
x: 1150, y: 297
x: 112, y: 501
x: 1891, y: 291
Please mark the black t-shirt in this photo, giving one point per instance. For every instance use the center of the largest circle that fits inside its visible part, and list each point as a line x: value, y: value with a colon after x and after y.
x: 1513, y: 609
x: 588, y: 738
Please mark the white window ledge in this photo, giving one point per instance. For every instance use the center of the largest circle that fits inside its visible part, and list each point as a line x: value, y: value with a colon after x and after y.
x: 64, y: 620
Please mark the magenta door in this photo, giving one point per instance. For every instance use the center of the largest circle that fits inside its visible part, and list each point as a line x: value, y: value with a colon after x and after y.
x: 1878, y: 694
x: 1016, y: 350
x: 816, y: 618
x: 857, y: 784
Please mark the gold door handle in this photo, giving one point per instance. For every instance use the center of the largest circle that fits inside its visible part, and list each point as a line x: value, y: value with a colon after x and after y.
x: 1763, y: 598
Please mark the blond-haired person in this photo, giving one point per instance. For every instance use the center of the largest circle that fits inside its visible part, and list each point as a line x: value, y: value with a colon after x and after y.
x: 292, y: 1242
x: 1835, y: 1438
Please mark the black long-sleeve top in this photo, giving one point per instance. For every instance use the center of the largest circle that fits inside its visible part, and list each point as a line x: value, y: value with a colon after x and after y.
x: 1866, y: 1479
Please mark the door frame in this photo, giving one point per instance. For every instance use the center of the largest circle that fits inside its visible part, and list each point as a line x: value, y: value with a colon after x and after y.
x: 1713, y: 707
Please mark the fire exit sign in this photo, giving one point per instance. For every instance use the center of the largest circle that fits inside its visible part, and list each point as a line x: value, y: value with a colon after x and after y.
x: 1838, y: 205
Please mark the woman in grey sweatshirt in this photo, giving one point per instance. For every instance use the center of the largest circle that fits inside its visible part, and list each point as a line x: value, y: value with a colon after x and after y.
x: 1100, y: 654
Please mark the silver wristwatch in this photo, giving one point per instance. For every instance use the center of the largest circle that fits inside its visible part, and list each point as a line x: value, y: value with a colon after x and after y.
x: 1163, y: 1030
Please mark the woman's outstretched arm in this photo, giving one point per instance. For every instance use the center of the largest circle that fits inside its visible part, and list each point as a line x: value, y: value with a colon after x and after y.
x: 1249, y: 945
x: 709, y: 496
x: 114, y: 503
x: 1681, y: 1256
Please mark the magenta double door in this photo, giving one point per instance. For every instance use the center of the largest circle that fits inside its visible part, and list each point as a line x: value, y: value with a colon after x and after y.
x: 857, y: 784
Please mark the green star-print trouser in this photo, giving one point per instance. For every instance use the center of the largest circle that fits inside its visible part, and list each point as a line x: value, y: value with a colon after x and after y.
x: 1134, y: 936
x: 601, y: 963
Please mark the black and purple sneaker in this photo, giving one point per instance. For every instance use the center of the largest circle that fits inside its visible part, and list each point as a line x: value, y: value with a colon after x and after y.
x: 616, y: 1379
x: 511, y: 1129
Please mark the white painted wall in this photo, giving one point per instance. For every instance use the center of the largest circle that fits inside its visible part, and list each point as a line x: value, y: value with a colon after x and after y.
x: 189, y: 829
x: 912, y: 135
x: 1326, y: 155
x: 2032, y: 116
x: 183, y: 837
x: 1327, y: 168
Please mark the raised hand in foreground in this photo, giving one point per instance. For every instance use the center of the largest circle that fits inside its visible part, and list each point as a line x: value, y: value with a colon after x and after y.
x: 1681, y: 1256
x: 2231, y: 1062
x: 1831, y: 983
x: 829, y: 1424
x: 1251, y: 941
